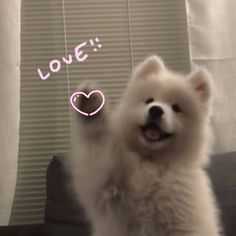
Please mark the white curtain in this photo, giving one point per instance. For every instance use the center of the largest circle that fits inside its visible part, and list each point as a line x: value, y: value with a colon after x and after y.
x: 212, y: 41
x: 9, y: 103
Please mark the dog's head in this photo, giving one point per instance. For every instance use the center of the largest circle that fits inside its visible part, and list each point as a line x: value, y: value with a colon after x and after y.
x: 161, y: 109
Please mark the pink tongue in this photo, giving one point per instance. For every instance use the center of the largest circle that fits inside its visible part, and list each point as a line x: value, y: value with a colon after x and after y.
x: 152, y: 134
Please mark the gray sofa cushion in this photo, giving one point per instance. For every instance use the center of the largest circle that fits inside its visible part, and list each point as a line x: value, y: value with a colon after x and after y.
x: 64, y: 215
x: 223, y: 176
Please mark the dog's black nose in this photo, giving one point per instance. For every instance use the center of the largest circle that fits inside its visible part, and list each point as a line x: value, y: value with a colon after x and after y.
x: 155, y: 112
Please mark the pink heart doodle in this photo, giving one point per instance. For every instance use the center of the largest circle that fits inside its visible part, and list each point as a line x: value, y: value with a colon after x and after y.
x: 75, y: 95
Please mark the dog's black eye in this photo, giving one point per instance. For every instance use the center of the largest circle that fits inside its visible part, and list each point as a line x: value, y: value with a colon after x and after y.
x: 176, y: 108
x: 149, y: 100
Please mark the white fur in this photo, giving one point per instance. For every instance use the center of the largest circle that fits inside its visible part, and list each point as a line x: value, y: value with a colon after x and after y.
x: 131, y: 187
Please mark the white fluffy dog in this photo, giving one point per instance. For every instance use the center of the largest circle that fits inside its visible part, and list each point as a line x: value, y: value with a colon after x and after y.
x: 139, y: 170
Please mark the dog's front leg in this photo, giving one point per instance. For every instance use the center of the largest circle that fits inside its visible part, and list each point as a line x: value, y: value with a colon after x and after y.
x: 91, y: 161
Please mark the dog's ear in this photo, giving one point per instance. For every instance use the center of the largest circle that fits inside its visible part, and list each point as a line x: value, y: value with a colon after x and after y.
x: 152, y: 65
x: 200, y: 81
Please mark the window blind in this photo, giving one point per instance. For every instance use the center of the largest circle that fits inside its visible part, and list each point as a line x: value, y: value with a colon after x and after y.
x: 128, y: 30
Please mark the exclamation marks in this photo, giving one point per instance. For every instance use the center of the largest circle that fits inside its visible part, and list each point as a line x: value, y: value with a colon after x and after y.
x: 98, y: 45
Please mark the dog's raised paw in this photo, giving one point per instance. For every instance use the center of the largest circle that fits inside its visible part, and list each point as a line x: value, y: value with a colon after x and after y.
x: 88, y: 100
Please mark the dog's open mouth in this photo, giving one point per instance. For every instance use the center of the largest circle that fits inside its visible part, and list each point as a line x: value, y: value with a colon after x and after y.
x: 153, y: 133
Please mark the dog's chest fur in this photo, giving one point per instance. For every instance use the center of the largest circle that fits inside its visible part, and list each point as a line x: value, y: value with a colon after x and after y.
x: 144, y: 199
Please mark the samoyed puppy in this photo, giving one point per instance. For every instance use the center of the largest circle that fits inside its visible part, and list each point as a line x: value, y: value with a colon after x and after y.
x: 138, y: 170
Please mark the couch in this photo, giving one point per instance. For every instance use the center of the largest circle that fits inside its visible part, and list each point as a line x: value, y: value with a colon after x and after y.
x: 64, y: 216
